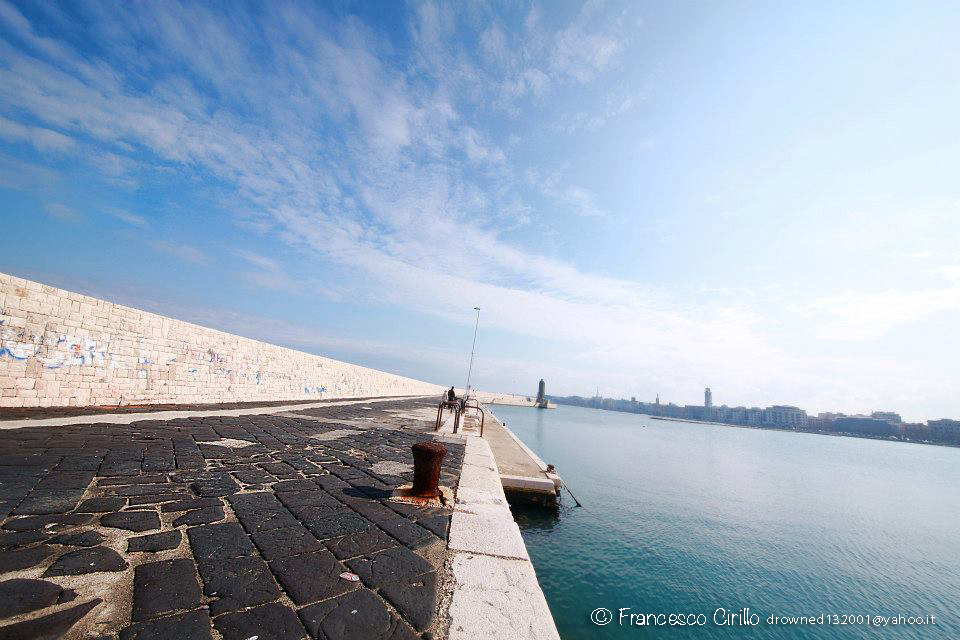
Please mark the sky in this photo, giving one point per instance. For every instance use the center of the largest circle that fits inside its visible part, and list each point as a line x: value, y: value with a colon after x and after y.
x: 643, y: 197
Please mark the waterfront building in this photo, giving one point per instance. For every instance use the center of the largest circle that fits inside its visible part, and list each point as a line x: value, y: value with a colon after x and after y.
x: 887, y: 416
x: 944, y: 430
x: 785, y: 416
x: 707, y: 398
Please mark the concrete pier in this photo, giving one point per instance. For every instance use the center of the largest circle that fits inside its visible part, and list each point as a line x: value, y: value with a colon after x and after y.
x: 523, y: 475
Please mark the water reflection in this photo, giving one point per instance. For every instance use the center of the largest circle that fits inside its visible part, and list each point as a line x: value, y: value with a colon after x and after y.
x: 536, y: 517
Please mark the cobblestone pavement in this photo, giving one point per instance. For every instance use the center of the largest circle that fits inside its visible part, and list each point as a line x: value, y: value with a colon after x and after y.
x: 223, y: 527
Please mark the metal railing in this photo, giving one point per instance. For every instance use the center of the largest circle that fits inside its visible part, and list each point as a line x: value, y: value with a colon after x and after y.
x: 459, y: 407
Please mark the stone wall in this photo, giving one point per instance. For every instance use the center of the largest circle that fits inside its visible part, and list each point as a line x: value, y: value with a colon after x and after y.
x: 60, y: 348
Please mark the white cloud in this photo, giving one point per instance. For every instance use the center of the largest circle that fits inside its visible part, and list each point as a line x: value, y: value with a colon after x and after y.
x: 62, y: 212
x: 181, y: 251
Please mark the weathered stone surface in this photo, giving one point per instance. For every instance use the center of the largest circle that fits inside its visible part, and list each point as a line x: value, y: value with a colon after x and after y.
x: 163, y: 587
x: 47, y: 501
x: 354, y: 615
x: 48, y: 627
x: 60, y: 521
x: 66, y: 480
x: 186, y: 505
x: 360, y: 544
x: 132, y: 520
x: 397, y: 563
x: 18, y: 559
x: 81, y: 539
x: 193, y: 625
x: 101, y: 505
x: 310, y: 577
x: 261, y: 512
x: 93, y: 560
x: 439, y: 525
x: 155, y: 542
x: 20, y: 538
x: 289, y: 541
x: 407, y: 532
x: 338, y: 524
x: 220, y: 542
x: 268, y: 622
x: 415, y: 598
x: 22, y: 595
x: 238, y: 583
x: 200, y: 516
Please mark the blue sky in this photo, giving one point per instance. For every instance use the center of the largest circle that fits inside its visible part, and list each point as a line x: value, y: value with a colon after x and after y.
x: 647, y: 198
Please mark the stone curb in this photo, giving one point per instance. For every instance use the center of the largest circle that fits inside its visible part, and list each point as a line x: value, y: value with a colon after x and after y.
x: 495, y: 589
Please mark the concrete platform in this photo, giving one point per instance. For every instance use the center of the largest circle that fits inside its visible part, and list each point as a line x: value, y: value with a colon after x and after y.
x: 523, y: 475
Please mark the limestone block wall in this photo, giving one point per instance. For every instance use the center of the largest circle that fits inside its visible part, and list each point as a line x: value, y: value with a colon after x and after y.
x: 61, y: 348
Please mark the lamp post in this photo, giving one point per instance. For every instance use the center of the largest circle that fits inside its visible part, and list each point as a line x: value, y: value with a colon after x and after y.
x: 472, y: 349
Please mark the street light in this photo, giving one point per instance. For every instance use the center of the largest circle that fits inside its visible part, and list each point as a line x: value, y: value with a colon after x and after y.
x: 472, y: 349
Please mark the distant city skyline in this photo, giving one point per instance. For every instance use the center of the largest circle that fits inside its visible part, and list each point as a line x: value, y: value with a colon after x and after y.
x: 638, y: 196
x: 876, y: 424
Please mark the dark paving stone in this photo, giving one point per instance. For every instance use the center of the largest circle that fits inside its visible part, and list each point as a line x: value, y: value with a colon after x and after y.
x: 311, y: 577
x: 407, y: 532
x: 397, y: 563
x: 278, y: 468
x: 82, y: 539
x: 254, y: 476
x: 101, y: 505
x: 438, y: 525
x: 316, y: 498
x: 22, y: 596
x: 374, y: 511
x: 415, y: 598
x: 261, y: 512
x: 201, y: 516
x: 155, y: 542
x: 32, y: 523
x: 80, y: 463
x: 330, y: 482
x: 23, y: 558
x: 269, y: 622
x: 147, y: 489
x: 163, y: 587
x: 289, y: 541
x: 21, y: 538
x: 93, y: 560
x: 50, y: 627
x: 132, y: 520
x: 66, y: 480
x: 154, y: 478
x: 360, y: 544
x: 295, y: 485
x: 238, y: 583
x: 186, y: 505
x: 193, y: 625
x: 356, y: 615
x: 220, y: 541
x: 339, y: 524
x: 222, y: 486
x: 154, y: 499
x: 48, y: 501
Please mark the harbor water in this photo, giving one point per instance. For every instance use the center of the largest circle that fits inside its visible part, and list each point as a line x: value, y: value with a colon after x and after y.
x: 707, y: 521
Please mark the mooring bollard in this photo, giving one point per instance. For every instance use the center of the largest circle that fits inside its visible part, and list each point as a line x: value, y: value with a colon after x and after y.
x: 427, y: 458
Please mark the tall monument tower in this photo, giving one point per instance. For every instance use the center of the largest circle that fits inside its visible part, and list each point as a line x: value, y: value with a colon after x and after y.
x: 542, y: 395
x: 707, y: 398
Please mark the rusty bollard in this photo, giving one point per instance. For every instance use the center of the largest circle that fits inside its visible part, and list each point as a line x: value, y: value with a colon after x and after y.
x: 427, y: 457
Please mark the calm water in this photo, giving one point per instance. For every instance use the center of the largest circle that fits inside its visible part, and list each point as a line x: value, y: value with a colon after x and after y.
x: 687, y: 518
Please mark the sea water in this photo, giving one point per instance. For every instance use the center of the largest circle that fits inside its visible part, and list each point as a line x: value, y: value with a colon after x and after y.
x: 723, y: 527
